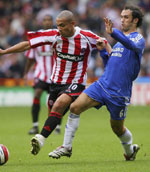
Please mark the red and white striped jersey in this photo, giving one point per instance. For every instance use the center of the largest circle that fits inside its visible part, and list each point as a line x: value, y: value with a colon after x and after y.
x: 44, y: 58
x: 72, y: 53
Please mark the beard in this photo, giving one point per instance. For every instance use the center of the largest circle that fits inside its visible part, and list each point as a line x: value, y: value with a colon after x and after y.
x: 125, y: 29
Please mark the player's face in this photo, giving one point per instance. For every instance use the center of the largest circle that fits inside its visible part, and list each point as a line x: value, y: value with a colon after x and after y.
x: 66, y: 28
x: 47, y: 22
x: 126, y: 20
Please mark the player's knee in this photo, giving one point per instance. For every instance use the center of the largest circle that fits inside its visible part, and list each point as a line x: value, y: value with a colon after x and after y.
x: 38, y: 93
x: 74, y: 108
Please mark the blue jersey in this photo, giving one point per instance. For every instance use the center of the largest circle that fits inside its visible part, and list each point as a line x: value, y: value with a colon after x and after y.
x: 123, y: 64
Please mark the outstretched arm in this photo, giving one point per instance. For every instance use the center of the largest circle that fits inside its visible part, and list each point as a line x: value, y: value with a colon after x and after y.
x: 20, y: 47
x: 135, y: 44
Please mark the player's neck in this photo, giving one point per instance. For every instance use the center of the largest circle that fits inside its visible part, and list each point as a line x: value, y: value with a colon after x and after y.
x: 72, y: 33
x: 130, y: 31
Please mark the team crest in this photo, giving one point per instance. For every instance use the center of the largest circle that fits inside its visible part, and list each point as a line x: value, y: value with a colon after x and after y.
x: 51, y: 102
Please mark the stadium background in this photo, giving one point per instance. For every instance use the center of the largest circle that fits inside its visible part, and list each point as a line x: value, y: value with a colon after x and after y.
x: 23, y: 15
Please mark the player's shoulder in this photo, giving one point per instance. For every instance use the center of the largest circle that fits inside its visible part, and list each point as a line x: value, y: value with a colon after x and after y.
x: 136, y: 37
x: 87, y: 33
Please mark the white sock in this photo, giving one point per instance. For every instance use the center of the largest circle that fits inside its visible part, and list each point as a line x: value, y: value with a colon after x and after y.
x: 35, y: 124
x: 70, y: 129
x: 126, y: 140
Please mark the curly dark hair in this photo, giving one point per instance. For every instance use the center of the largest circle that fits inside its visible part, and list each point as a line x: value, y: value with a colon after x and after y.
x: 136, y: 13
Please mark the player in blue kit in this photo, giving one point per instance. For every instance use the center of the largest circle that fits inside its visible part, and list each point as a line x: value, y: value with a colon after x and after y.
x: 113, y: 88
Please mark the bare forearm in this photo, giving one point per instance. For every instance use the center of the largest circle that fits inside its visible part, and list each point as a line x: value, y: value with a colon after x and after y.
x: 20, y: 47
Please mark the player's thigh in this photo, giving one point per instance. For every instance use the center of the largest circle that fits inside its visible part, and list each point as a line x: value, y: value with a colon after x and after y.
x: 64, y: 99
x: 61, y: 103
x: 38, y: 92
x: 39, y: 87
x: 82, y: 103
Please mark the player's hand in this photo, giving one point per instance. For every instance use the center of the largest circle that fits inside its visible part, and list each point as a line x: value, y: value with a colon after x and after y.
x: 100, y: 44
x: 108, y: 25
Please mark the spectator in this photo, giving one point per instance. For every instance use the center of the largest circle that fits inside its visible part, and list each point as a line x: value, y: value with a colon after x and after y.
x: 20, y: 16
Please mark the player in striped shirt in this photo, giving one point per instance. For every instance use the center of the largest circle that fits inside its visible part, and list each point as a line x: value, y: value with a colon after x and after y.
x: 113, y: 88
x: 72, y: 47
x: 43, y: 59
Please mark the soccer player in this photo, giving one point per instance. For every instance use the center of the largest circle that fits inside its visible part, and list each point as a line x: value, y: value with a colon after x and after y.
x: 43, y: 59
x: 113, y: 88
x: 72, y: 47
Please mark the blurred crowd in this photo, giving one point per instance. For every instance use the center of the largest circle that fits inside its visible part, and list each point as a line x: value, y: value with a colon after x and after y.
x: 19, y: 16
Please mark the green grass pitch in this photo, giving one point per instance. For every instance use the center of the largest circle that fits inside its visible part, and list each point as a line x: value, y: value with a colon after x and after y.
x: 95, y: 147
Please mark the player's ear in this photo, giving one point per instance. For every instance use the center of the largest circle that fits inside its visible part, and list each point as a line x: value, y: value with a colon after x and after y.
x: 135, y: 21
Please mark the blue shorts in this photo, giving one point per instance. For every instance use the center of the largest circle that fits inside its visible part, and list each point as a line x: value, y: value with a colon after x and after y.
x: 115, y: 105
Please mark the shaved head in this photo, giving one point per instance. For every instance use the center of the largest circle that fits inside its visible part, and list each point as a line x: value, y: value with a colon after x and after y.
x: 66, y: 23
x: 67, y: 15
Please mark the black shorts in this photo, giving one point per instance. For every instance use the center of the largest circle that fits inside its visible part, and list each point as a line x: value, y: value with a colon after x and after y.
x: 74, y: 90
x: 41, y: 84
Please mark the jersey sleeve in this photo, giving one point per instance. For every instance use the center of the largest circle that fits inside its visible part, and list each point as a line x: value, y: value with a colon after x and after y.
x: 136, y: 44
x: 40, y: 38
x: 105, y: 56
x: 30, y: 54
x: 90, y: 36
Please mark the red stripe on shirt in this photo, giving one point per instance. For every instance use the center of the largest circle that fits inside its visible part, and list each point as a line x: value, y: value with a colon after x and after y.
x: 84, y: 64
x: 52, y: 59
x: 27, y: 53
x: 77, y: 51
x: 38, y: 75
x: 52, y: 63
x: 44, y: 63
x: 55, y: 56
x: 63, y: 62
x: 32, y: 35
x: 89, y: 34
